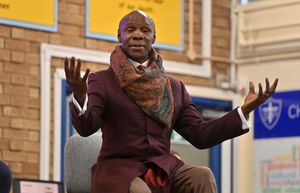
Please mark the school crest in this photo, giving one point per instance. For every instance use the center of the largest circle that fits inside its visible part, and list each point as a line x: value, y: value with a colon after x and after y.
x: 269, y: 112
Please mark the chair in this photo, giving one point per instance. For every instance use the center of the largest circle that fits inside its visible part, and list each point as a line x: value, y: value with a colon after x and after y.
x: 80, y: 155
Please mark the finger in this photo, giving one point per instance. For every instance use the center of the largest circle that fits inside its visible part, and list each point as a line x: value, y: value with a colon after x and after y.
x: 267, y: 91
x: 87, y: 71
x: 251, y: 87
x: 72, y: 66
x: 260, y: 90
x: 67, y: 70
x: 274, y: 85
x: 77, y: 71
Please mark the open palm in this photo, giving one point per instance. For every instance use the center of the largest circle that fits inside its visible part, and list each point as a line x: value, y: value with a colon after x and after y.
x: 253, y: 99
x: 77, y: 84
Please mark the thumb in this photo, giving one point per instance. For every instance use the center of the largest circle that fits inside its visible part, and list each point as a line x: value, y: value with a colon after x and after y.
x: 87, y: 71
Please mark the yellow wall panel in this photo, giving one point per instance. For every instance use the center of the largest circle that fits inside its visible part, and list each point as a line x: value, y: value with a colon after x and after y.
x: 38, y: 14
x: 104, y: 16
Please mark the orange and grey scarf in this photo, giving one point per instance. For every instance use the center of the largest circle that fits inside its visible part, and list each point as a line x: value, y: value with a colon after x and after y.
x: 149, y: 89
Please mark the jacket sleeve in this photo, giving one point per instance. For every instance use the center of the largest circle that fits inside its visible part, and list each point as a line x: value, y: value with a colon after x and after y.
x: 92, y: 119
x: 205, y: 134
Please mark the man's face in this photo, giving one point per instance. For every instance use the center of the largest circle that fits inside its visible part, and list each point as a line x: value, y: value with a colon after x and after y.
x: 136, y: 35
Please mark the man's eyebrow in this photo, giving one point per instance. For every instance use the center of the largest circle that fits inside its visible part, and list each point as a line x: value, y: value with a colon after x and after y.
x: 127, y: 26
x: 130, y: 24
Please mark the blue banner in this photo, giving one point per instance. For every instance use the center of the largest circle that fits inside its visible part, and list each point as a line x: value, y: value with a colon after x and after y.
x: 279, y: 116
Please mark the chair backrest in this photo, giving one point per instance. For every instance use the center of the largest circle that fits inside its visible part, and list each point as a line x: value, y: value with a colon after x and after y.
x: 80, y: 155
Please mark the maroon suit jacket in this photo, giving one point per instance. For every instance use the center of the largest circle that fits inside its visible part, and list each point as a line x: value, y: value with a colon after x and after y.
x: 131, y: 139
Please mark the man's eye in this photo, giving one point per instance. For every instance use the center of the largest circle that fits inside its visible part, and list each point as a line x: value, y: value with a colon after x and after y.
x: 146, y: 30
x: 129, y: 29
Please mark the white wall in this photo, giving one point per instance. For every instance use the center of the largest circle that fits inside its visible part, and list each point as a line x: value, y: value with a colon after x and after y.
x: 267, y: 45
x: 288, y: 72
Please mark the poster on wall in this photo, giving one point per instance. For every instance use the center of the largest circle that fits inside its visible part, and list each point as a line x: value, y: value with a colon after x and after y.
x: 102, y: 19
x: 277, y: 144
x: 35, y: 14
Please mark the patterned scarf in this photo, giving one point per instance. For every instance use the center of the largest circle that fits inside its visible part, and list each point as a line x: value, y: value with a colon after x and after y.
x: 149, y: 89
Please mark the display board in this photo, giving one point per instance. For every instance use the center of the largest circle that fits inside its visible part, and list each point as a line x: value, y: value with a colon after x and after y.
x: 36, y: 14
x: 279, y: 116
x: 277, y: 144
x: 102, y: 19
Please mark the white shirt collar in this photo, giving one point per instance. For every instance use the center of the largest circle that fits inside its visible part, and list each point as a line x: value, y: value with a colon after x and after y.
x: 136, y: 64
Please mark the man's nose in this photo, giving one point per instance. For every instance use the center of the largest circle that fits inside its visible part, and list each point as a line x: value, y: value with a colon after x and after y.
x: 138, y: 35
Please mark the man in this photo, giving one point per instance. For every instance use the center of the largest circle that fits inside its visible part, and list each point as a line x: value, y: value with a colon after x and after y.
x: 137, y: 106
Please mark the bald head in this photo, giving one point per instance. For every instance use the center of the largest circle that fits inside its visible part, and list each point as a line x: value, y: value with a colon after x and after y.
x: 136, y: 13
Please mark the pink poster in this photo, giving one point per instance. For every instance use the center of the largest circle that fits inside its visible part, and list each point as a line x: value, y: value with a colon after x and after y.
x: 38, y: 187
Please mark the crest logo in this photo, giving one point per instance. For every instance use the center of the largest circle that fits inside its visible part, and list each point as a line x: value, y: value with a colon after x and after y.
x: 269, y: 112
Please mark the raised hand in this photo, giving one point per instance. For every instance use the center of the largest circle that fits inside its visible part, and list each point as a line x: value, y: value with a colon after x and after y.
x: 77, y: 84
x: 253, y: 100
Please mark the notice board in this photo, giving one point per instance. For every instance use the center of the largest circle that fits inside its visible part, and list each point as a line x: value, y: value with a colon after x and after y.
x: 102, y: 19
x: 36, y: 14
x: 277, y: 144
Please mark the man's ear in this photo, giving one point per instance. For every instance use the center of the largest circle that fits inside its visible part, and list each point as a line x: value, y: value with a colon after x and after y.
x: 119, y: 36
x: 154, y: 38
